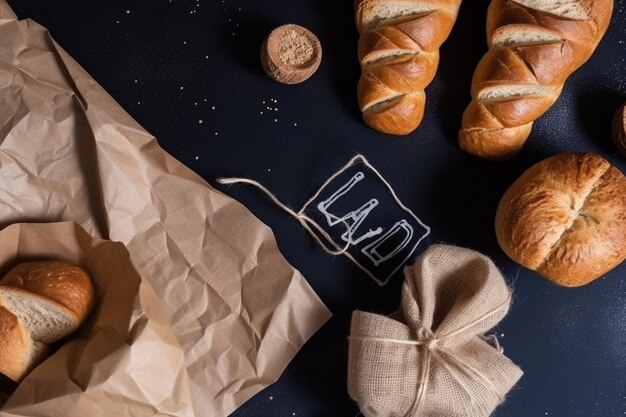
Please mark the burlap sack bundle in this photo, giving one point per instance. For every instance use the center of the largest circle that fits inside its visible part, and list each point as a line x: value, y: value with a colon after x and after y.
x: 433, y: 358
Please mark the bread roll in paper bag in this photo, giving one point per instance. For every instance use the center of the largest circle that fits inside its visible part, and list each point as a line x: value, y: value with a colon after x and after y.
x: 237, y: 309
x: 125, y: 339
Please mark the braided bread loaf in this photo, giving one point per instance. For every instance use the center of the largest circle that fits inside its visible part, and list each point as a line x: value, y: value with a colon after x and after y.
x: 534, y: 46
x: 399, y: 53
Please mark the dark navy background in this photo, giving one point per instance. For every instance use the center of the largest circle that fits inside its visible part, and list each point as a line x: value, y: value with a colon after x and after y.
x: 189, y: 72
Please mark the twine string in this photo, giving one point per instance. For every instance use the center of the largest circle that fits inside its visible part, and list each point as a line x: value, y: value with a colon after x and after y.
x: 307, y: 223
x: 321, y: 236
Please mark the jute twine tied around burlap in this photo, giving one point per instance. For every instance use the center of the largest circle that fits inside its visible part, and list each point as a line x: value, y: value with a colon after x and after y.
x: 432, y: 359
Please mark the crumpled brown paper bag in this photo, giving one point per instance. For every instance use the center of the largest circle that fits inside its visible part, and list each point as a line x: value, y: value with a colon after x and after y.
x: 431, y: 359
x: 238, y: 310
x: 127, y: 330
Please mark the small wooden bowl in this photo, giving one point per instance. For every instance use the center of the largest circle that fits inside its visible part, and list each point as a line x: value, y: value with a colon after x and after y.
x: 291, y: 54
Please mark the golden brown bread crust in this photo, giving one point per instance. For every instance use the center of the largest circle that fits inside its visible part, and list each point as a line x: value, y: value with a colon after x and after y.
x: 14, y: 345
x: 64, y: 288
x: 531, y: 54
x: 399, y: 55
x: 61, y: 282
x: 565, y: 218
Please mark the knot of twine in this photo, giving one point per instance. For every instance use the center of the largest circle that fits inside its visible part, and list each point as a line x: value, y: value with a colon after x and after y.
x: 310, y: 225
x: 434, y: 347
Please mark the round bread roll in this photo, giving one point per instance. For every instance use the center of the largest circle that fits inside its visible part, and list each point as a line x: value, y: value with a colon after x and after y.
x: 18, y: 351
x: 565, y: 218
x: 40, y: 303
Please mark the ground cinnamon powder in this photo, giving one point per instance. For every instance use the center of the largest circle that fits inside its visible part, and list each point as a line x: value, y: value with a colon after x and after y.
x: 294, y: 49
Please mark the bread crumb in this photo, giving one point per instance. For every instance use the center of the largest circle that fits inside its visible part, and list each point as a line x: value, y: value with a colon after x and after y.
x: 294, y: 49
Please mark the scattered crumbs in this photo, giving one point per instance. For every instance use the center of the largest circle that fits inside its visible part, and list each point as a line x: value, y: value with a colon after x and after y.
x: 275, y: 120
x: 127, y: 11
x: 200, y: 121
x: 212, y: 107
x: 184, y: 42
x: 233, y: 33
x: 271, y: 397
x: 197, y: 157
x: 501, y: 334
x: 261, y: 112
x: 215, y: 133
x: 293, y: 414
x: 269, y: 170
x: 236, y: 25
x: 195, y: 104
x: 136, y: 81
x: 240, y: 9
x: 295, y: 124
x: 139, y: 102
x: 206, y: 57
x: 117, y: 21
x: 181, y: 87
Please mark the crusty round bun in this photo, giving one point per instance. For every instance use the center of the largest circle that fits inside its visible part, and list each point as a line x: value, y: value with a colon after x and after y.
x: 40, y: 303
x: 61, y: 282
x: 565, y: 218
x: 18, y: 352
x: 51, y: 298
x: 14, y: 341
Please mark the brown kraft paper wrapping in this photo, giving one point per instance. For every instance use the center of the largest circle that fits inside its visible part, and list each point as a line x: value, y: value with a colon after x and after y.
x: 238, y: 310
x: 111, y: 358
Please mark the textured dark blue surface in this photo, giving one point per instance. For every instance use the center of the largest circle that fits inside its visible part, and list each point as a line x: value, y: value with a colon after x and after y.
x: 189, y: 72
